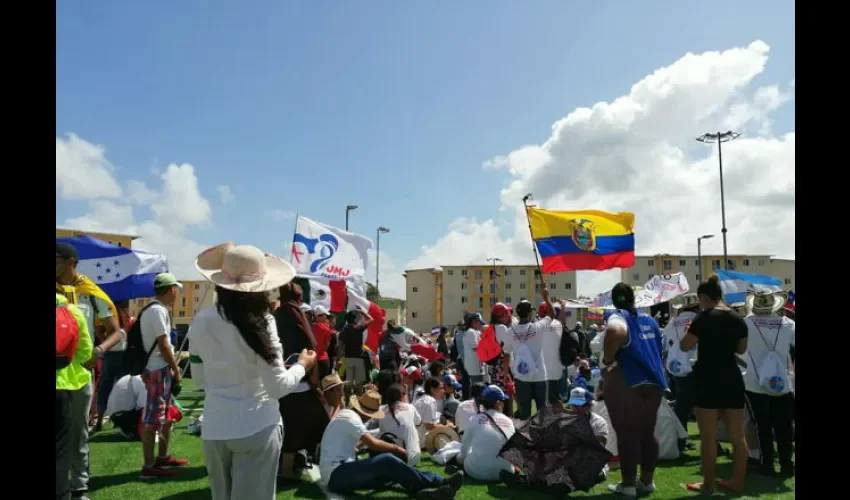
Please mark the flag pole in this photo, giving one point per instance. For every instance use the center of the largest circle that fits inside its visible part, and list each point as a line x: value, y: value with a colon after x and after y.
x: 531, y: 233
x: 294, y: 230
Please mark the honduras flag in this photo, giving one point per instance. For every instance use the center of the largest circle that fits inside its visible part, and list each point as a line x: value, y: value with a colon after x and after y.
x: 735, y: 284
x: 121, y: 273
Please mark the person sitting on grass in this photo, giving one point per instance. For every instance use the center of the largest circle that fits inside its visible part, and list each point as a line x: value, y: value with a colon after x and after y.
x: 486, y: 434
x: 341, y: 471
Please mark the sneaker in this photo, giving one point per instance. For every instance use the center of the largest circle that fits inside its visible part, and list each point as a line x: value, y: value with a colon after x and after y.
x: 170, y: 461
x: 156, y: 472
x: 644, y: 489
x: 455, y: 481
x: 452, y: 469
x: 626, y: 491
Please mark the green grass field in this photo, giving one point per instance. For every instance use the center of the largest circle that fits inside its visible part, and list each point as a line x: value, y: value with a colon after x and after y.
x: 115, y: 466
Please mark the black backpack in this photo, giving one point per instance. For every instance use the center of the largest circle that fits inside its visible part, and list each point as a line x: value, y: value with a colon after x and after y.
x: 135, y: 357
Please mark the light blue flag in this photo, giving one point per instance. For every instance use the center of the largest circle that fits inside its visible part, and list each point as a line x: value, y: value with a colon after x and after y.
x: 735, y: 284
x: 120, y: 272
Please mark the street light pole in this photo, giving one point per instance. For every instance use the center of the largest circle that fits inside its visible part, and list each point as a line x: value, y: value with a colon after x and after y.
x: 720, y: 138
x: 349, y: 208
x: 381, y: 229
x: 699, y: 255
x: 493, y: 278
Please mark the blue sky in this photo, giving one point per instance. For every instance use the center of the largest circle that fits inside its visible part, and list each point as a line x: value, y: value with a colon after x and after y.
x: 309, y: 106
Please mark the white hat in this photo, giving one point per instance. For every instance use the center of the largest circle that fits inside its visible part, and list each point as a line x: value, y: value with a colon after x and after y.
x: 243, y: 268
x: 305, y: 307
x: 320, y: 310
x: 764, y: 302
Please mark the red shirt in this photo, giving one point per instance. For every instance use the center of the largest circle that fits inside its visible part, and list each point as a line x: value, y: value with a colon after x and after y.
x: 322, y: 332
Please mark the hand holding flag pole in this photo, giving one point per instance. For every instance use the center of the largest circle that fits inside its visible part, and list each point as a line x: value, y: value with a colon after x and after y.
x: 533, y: 244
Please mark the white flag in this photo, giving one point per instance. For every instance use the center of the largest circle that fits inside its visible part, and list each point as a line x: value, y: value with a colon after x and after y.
x: 322, y: 250
x: 357, y: 294
x: 320, y: 294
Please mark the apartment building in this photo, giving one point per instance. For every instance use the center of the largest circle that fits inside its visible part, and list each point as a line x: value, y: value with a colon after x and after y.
x: 647, y: 266
x: 121, y: 240
x: 440, y: 296
x: 194, y: 296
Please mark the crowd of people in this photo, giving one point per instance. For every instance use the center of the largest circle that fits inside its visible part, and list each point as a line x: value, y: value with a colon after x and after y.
x: 286, y: 395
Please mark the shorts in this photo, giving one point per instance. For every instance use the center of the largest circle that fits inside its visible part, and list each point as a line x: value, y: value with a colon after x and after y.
x: 158, y: 384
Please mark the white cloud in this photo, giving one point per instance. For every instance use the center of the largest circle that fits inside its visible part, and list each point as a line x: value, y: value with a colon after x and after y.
x: 281, y: 215
x: 175, y: 205
x: 225, y: 194
x: 637, y: 153
x: 82, y: 170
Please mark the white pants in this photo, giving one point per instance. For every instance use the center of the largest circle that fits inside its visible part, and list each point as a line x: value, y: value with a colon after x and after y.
x: 245, y: 468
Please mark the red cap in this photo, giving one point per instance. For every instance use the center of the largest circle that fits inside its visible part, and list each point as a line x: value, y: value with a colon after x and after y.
x: 500, y: 309
x: 542, y: 309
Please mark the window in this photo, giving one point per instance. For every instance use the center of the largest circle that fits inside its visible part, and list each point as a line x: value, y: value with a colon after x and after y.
x: 650, y: 263
x: 667, y: 265
x: 451, y: 272
x: 761, y: 262
x: 492, y: 288
x: 493, y: 274
x: 478, y: 275
x: 699, y: 278
x: 464, y: 272
x: 507, y: 286
x: 197, y: 286
x: 415, y: 289
x: 181, y: 314
x: 120, y: 244
x: 196, y: 301
x: 463, y: 286
x: 463, y: 300
x: 732, y: 264
x: 551, y: 274
x: 787, y: 281
x: 507, y: 300
x: 635, y: 276
x: 537, y: 287
x: 492, y: 301
x: 479, y: 288
x: 553, y: 286
x: 414, y: 315
x: 715, y: 264
x: 568, y: 286
x: 480, y: 302
x: 537, y: 273
x: 522, y: 286
x: 183, y: 302
x: 746, y: 262
x: 696, y: 262
x: 683, y: 262
x: 507, y: 272
x: 522, y: 272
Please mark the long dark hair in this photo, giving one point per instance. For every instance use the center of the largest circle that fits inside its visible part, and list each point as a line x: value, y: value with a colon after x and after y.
x: 431, y: 383
x: 475, y: 391
x: 711, y: 289
x: 623, y: 297
x: 247, y: 312
x: 394, y: 395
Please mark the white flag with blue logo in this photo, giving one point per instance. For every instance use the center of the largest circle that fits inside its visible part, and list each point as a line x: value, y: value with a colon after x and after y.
x: 735, y: 284
x: 120, y: 272
x: 322, y: 250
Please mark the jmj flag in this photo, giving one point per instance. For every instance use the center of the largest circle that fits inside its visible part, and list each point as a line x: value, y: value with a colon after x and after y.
x: 322, y: 250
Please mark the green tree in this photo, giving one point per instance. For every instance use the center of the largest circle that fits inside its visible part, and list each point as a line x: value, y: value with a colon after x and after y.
x: 372, y: 292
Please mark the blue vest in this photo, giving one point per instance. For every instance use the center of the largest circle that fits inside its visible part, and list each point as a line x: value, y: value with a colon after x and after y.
x: 640, y: 358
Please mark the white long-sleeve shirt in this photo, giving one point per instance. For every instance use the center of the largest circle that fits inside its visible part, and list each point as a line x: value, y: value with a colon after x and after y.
x: 241, y: 388
x: 482, y: 443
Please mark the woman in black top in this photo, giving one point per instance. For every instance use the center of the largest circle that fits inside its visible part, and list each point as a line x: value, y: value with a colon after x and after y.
x: 718, y: 383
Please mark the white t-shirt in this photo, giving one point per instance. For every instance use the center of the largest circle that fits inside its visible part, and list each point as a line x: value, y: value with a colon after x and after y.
x: 529, y: 335
x: 84, y: 303
x: 675, y: 330
x: 127, y: 394
x: 471, y: 363
x: 429, y: 412
x: 775, y: 329
x: 406, y: 428
x: 338, y: 442
x: 599, y: 426
x: 551, y: 332
x: 155, y: 322
x: 482, y: 443
x: 465, y: 411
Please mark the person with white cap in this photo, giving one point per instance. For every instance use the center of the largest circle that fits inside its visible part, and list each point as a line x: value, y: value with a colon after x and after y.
x: 322, y: 332
x: 236, y: 346
x: 484, y: 437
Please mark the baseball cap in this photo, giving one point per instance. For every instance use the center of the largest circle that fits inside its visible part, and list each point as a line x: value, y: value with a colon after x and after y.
x: 67, y: 251
x: 578, y: 397
x: 493, y: 393
x: 500, y: 309
x: 473, y: 316
x: 542, y: 309
x: 451, y: 381
x: 320, y: 310
x: 163, y: 280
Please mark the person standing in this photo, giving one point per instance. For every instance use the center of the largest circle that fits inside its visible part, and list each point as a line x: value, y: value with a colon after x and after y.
x: 680, y: 364
x: 769, y: 390
x: 634, y: 382
x: 71, y: 376
x: 351, y: 338
x: 95, y: 305
x: 718, y: 384
x: 474, y: 368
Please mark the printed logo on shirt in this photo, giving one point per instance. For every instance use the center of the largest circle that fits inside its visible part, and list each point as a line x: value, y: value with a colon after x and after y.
x: 526, y: 336
x: 484, y: 420
x: 768, y: 321
x: 675, y: 366
x: 776, y: 384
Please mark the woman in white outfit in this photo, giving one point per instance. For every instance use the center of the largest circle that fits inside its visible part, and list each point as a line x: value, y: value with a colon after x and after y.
x: 484, y: 437
x: 237, y: 354
x: 401, y: 420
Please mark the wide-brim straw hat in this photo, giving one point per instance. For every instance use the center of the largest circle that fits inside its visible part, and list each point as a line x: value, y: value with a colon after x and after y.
x: 437, y: 438
x: 243, y: 268
x: 763, y: 302
x: 368, y: 404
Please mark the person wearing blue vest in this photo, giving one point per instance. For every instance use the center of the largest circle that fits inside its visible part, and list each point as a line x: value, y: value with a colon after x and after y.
x: 634, y: 384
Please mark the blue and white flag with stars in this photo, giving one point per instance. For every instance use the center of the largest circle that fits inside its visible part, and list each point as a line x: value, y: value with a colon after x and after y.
x: 120, y: 272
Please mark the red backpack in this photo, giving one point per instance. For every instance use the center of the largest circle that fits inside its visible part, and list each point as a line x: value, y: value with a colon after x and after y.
x: 67, y: 336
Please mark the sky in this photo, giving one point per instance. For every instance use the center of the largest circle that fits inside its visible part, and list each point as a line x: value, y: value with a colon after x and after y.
x: 197, y: 122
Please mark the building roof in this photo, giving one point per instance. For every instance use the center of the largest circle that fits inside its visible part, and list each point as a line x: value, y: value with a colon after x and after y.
x: 82, y: 231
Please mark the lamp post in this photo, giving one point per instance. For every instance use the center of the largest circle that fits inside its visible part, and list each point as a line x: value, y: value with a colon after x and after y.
x: 493, y: 278
x: 720, y: 138
x: 381, y: 229
x: 349, y: 208
x: 699, y: 254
